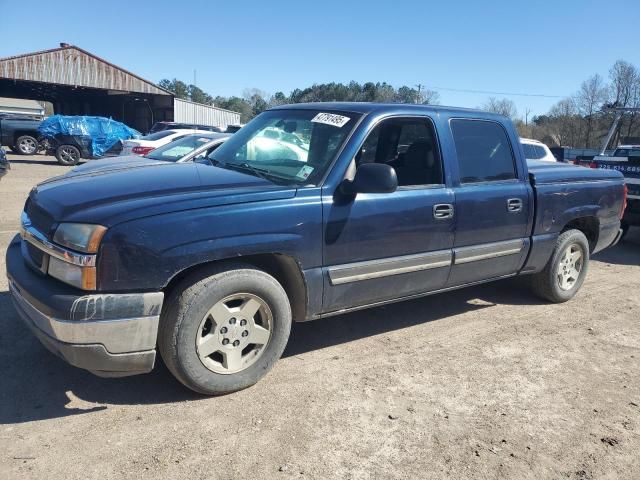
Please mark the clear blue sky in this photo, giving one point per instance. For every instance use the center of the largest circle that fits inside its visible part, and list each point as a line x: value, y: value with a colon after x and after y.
x: 506, y: 46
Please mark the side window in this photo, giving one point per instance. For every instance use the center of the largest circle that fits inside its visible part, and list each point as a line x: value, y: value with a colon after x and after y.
x: 408, y: 145
x: 541, y: 152
x: 529, y: 152
x: 483, y: 150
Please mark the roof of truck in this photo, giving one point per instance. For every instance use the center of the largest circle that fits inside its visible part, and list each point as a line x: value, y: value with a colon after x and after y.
x: 366, y: 107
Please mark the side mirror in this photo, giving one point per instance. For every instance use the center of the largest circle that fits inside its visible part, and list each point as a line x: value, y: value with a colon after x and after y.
x: 371, y: 178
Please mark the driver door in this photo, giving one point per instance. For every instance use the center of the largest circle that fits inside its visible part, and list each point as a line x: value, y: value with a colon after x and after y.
x: 379, y: 247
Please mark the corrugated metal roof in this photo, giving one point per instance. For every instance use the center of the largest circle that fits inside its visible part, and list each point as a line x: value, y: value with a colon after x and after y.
x: 71, y: 65
x: 20, y: 103
x: 191, y: 112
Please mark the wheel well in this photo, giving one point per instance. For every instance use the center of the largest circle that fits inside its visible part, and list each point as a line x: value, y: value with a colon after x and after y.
x: 18, y: 134
x: 587, y: 225
x: 283, y: 268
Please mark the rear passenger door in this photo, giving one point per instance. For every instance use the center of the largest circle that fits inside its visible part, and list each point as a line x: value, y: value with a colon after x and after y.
x: 492, y: 203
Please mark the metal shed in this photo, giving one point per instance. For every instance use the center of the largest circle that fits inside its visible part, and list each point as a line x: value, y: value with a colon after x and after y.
x: 19, y: 106
x: 78, y: 82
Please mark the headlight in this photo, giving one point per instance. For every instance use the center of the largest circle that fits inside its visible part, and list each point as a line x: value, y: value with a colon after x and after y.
x: 74, y: 275
x: 79, y: 236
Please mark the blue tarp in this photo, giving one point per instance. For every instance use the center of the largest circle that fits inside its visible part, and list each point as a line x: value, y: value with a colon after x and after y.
x: 104, y: 132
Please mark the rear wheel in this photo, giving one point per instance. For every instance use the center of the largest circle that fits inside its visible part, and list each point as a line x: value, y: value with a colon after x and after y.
x: 224, y: 328
x: 564, y: 274
x: 26, y: 145
x: 67, y: 155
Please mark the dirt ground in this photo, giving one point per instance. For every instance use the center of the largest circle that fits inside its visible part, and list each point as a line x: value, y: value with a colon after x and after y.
x: 482, y: 383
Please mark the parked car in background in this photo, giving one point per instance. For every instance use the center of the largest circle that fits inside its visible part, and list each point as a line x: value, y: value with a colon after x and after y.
x: 160, y: 126
x: 186, y: 149
x: 20, y: 134
x: 535, y: 150
x: 625, y: 159
x: 5, y: 166
x: 74, y: 137
x: 148, y: 143
x: 212, y: 262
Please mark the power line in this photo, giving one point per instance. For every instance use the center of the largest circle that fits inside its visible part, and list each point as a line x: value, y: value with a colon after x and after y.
x: 489, y: 92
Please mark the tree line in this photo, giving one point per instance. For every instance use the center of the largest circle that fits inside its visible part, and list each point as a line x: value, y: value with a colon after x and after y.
x: 580, y: 120
x: 254, y: 101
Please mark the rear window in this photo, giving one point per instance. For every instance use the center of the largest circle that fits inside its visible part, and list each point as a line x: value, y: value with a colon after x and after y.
x: 158, y: 135
x: 483, y: 150
x: 533, y: 152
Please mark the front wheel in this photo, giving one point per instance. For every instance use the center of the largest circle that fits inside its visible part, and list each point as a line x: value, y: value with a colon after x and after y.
x: 564, y: 274
x: 67, y: 155
x: 224, y: 328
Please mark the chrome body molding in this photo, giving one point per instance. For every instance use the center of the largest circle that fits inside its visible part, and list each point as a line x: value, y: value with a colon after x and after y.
x: 40, y: 241
x: 354, y: 272
x: 384, y: 267
x: 485, y: 251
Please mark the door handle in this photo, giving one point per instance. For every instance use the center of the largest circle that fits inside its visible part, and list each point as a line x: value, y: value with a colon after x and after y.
x: 442, y: 211
x: 514, y: 205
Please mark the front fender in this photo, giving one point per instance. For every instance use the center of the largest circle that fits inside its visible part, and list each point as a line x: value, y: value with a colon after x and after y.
x: 146, y: 254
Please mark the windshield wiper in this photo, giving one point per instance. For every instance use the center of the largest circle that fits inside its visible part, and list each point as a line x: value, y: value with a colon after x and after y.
x: 258, y: 172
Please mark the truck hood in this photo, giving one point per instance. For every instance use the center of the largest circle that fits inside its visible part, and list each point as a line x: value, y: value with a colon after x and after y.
x: 113, y: 195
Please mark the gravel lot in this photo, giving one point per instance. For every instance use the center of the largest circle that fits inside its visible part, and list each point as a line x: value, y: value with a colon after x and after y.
x: 486, y: 382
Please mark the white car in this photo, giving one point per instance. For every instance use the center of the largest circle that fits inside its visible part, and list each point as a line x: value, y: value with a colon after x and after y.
x: 148, y: 143
x: 535, y: 150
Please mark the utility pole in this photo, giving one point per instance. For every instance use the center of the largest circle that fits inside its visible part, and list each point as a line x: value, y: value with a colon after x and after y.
x: 526, y: 116
x: 419, y: 85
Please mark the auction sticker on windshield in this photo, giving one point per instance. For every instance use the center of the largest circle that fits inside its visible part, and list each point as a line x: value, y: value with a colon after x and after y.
x: 304, y: 172
x: 331, y: 119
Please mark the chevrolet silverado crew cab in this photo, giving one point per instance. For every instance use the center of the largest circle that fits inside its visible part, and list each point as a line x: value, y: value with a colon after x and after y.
x: 308, y: 211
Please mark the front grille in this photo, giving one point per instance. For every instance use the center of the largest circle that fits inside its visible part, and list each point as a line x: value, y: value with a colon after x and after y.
x: 39, y: 217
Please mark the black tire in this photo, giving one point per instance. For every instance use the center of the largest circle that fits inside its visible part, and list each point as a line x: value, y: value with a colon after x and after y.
x: 546, y: 284
x: 26, y: 145
x: 67, y: 155
x: 181, y: 326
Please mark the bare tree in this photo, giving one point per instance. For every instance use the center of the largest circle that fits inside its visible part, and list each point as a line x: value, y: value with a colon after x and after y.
x: 623, y: 76
x: 565, y: 122
x: 429, y: 97
x: 625, y: 90
x: 589, y: 99
x: 502, y: 106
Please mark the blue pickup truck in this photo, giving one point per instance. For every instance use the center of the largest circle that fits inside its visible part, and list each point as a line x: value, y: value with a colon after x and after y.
x: 308, y: 211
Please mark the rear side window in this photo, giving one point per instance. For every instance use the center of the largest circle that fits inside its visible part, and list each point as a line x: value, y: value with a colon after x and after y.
x: 483, y: 150
x: 533, y: 152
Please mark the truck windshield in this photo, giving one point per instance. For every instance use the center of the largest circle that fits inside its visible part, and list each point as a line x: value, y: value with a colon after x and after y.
x: 627, y: 152
x: 287, y: 146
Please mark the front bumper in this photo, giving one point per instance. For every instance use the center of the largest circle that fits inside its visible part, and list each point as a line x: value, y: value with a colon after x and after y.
x: 108, y: 334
